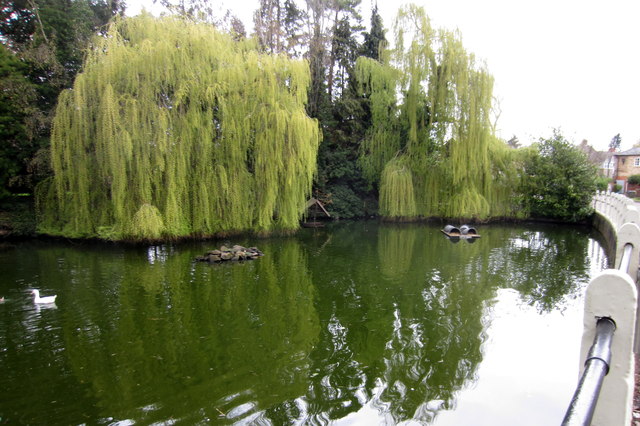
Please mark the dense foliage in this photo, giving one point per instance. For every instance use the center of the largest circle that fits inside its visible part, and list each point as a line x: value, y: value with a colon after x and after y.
x: 16, y: 97
x: 405, y: 124
x: 602, y: 183
x: 174, y: 129
x: 43, y: 45
x: 634, y: 179
x: 432, y: 151
x: 559, y: 180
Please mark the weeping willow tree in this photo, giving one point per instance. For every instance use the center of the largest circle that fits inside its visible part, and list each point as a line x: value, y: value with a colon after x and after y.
x: 174, y: 129
x: 431, y: 149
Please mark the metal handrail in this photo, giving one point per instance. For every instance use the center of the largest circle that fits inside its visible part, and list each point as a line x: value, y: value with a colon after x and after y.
x: 583, y: 403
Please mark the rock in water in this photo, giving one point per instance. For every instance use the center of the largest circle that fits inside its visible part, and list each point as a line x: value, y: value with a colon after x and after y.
x: 235, y: 253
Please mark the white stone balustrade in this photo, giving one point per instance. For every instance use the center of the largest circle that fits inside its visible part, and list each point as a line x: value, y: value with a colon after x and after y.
x: 613, y: 294
x: 616, y: 208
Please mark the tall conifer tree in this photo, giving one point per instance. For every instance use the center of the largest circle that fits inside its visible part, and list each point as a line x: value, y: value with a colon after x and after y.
x: 375, y: 39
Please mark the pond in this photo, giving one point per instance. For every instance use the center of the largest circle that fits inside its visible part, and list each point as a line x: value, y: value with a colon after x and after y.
x: 355, y: 323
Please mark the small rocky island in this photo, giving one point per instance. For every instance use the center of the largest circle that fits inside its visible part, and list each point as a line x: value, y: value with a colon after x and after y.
x: 233, y: 254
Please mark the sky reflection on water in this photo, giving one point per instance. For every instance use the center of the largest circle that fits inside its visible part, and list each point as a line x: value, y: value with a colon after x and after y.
x: 356, y: 324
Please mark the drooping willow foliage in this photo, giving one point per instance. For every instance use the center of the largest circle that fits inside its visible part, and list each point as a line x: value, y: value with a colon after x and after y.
x: 174, y: 129
x: 397, y: 195
x: 431, y: 148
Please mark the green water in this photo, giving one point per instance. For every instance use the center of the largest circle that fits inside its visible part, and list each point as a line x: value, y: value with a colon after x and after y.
x: 357, y: 323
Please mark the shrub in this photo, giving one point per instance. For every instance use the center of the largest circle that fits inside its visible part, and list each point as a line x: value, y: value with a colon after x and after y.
x: 345, y: 203
x: 560, y: 182
x: 602, y: 183
x: 634, y: 180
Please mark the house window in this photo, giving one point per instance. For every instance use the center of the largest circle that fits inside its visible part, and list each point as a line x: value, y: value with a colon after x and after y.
x: 636, y: 162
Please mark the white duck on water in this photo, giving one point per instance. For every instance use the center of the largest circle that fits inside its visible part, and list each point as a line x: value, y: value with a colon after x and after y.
x: 42, y: 300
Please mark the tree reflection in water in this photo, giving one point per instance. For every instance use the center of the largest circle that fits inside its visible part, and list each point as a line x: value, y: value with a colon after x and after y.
x: 198, y: 342
x: 412, y: 327
x: 357, y: 322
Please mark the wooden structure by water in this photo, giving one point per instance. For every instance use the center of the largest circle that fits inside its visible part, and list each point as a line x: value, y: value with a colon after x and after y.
x: 314, y: 209
x: 464, y: 232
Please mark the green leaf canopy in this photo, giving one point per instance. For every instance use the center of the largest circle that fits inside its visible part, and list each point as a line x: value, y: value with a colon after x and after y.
x: 431, y: 147
x: 174, y: 129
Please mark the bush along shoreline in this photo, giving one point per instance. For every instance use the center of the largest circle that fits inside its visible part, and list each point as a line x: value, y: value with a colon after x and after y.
x: 17, y: 218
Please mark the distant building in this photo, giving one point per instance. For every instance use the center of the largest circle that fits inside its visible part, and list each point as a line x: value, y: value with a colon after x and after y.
x: 603, y: 160
x: 608, y: 167
x: 627, y: 163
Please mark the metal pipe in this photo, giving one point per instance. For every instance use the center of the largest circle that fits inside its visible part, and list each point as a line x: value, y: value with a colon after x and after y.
x: 626, y: 258
x: 583, y: 403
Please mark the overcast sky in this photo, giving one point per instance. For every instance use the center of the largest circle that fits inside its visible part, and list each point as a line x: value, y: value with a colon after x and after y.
x: 568, y: 64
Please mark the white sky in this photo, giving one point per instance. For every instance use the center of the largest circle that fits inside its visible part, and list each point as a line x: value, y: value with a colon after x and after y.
x: 568, y: 64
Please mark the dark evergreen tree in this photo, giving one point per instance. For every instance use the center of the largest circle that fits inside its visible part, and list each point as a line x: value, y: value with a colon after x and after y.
x: 295, y: 36
x: 17, y: 97
x: 615, y: 143
x: 50, y: 38
x: 319, y: 103
x: 340, y: 183
x: 346, y: 20
x: 344, y: 51
x: 375, y: 38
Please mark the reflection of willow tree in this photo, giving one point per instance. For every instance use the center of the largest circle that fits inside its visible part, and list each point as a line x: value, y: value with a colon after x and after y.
x: 203, y: 340
x: 404, y: 336
x: 153, y: 337
x: 437, y: 328
x: 400, y: 333
x: 395, y: 250
x: 545, y: 265
x: 41, y: 375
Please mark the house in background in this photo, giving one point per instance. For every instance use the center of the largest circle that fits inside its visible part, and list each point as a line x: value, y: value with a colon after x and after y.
x: 607, y: 167
x: 627, y: 163
x: 603, y: 160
